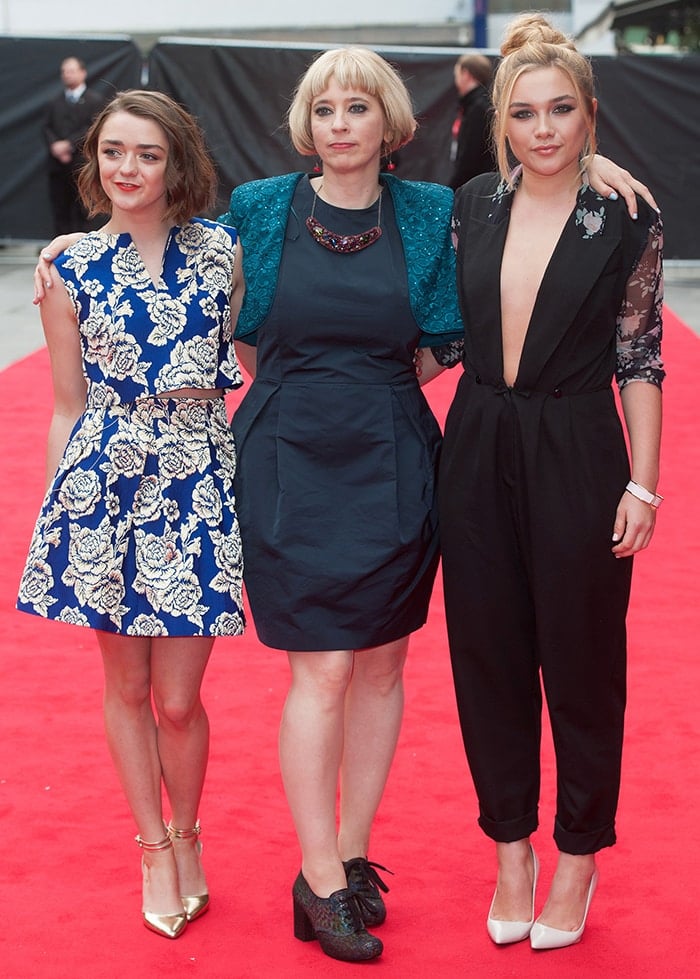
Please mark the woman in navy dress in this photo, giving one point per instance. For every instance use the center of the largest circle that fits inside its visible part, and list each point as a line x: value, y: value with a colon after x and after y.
x: 560, y: 292
x: 346, y: 274
x: 138, y: 535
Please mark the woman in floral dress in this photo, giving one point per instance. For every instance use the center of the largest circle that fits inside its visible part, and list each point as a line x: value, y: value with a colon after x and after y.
x: 559, y: 291
x: 138, y: 535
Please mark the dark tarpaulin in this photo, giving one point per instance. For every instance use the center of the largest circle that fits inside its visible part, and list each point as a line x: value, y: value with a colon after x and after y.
x: 30, y: 79
x: 648, y: 118
x: 649, y: 122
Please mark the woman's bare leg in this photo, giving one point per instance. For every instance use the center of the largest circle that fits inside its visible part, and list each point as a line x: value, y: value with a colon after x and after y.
x: 133, y: 743
x: 566, y: 902
x: 311, y: 748
x: 177, y: 670
x: 512, y: 900
x: 373, y: 714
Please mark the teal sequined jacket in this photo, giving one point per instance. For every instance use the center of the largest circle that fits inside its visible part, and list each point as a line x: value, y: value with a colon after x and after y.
x: 259, y: 211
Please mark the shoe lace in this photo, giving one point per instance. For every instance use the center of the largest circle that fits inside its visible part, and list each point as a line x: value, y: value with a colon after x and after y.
x: 346, y: 906
x: 365, y: 878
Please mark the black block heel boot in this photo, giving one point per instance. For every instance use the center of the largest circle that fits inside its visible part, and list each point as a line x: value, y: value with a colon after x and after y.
x: 335, y: 921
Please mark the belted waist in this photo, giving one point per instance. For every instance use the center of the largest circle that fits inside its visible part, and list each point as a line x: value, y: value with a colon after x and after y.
x: 499, y: 386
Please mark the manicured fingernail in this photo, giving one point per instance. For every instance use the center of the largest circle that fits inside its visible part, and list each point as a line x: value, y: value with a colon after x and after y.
x: 613, y: 195
x: 46, y: 256
x: 48, y: 283
x: 615, y: 538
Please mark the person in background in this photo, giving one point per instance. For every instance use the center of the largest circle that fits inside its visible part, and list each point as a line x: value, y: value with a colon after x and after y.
x: 540, y: 512
x: 67, y: 120
x: 470, y: 147
x: 138, y: 534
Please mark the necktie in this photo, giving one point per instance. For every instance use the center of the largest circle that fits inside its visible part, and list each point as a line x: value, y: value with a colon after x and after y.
x: 456, y: 126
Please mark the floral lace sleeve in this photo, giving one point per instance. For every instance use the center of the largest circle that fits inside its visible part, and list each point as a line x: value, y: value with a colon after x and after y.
x: 639, y: 321
x: 449, y: 354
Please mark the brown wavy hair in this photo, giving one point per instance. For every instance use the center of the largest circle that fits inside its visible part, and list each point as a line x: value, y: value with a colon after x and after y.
x: 190, y: 175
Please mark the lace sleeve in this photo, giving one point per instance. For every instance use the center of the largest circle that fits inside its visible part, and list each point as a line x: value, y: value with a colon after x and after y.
x: 449, y: 354
x: 639, y: 322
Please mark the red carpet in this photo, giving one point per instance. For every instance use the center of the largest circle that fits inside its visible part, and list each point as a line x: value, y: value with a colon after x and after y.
x: 71, y: 887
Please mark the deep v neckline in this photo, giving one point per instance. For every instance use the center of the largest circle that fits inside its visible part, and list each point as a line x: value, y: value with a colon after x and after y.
x: 554, y: 246
x: 529, y: 340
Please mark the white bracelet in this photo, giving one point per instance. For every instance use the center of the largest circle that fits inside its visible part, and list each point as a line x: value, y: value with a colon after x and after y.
x: 653, y: 499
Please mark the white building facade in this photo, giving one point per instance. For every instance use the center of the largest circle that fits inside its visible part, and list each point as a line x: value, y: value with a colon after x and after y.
x: 163, y: 17
x: 175, y: 16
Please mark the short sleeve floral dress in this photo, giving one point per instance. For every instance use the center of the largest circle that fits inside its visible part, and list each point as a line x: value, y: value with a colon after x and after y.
x: 138, y: 532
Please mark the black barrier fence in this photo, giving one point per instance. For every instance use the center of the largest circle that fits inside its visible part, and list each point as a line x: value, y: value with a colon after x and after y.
x: 648, y: 118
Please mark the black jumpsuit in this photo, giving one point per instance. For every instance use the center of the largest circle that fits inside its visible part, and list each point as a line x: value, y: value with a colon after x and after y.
x: 530, y: 479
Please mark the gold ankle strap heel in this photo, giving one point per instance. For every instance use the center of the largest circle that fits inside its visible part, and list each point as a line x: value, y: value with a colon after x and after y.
x: 168, y: 925
x: 163, y: 844
x: 194, y: 904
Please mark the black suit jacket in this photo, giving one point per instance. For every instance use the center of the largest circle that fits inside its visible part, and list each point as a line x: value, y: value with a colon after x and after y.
x: 70, y: 120
x: 474, y: 139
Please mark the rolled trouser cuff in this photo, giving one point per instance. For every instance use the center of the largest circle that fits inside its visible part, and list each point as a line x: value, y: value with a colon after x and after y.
x: 579, y: 844
x: 510, y: 830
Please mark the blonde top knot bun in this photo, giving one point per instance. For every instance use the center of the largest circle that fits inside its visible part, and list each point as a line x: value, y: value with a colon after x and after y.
x: 531, y: 43
x: 532, y: 29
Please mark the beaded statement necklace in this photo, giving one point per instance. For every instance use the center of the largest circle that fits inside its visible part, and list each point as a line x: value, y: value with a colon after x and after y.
x: 344, y: 244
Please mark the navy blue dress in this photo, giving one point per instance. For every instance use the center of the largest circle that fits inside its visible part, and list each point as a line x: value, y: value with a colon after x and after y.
x: 337, y: 447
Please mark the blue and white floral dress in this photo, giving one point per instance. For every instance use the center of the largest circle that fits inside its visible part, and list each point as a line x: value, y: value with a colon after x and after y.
x: 138, y: 532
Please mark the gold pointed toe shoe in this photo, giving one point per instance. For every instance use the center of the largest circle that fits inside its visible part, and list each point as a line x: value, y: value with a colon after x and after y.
x: 194, y: 904
x: 167, y: 925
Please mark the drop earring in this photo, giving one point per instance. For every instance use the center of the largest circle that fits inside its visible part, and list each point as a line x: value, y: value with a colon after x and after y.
x: 388, y: 163
x: 317, y: 167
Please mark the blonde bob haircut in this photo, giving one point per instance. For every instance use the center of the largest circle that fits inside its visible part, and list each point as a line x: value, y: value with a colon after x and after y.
x: 360, y: 69
x: 190, y: 175
x: 531, y: 42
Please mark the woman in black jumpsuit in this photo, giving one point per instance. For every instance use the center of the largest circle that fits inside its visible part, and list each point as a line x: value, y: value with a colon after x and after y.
x: 537, y: 526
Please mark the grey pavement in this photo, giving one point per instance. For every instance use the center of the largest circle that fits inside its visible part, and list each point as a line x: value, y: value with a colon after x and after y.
x: 20, y: 327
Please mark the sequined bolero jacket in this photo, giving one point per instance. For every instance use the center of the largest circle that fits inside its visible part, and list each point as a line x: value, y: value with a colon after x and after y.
x: 259, y: 211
